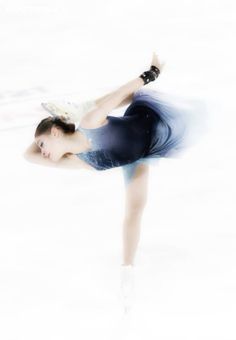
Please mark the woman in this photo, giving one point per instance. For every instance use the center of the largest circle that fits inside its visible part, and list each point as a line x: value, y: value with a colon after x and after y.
x: 151, y: 128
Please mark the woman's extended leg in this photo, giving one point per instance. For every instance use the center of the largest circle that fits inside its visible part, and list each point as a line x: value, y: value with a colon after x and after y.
x: 136, y: 199
x: 99, y: 101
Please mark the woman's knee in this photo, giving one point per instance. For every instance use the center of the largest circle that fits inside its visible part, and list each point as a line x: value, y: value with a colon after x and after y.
x: 133, y: 218
x: 137, y: 203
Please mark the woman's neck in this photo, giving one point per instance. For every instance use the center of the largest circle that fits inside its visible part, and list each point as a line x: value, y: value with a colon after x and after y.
x: 77, y: 142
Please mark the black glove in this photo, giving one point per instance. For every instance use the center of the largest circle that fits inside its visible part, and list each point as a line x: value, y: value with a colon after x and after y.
x: 150, y: 75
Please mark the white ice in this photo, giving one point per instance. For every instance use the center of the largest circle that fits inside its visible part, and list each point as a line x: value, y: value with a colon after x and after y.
x: 60, y: 230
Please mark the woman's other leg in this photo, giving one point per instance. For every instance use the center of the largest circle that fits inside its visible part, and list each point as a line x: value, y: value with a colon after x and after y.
x: 97, y: 116
x: 136, y: 183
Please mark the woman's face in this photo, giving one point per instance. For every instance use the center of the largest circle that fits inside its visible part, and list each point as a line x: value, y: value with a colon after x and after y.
x: 51, y: 145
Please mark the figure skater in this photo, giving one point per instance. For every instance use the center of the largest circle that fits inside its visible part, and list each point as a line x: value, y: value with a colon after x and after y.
x: 153, y: 126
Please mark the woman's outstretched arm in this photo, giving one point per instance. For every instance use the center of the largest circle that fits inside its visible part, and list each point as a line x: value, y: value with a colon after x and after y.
x: 70, y: 161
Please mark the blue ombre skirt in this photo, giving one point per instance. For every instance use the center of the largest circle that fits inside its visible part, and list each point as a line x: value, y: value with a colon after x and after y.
x: 182, y: 122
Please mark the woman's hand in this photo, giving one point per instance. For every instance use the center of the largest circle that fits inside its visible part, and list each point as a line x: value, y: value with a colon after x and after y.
x: 156, y: 62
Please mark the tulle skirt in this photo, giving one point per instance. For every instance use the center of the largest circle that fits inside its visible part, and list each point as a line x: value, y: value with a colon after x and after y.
x: 182, y: 122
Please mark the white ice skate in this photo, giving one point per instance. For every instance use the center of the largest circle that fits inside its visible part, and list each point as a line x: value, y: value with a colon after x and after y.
x: 127, y: 292
x: 73, y: 112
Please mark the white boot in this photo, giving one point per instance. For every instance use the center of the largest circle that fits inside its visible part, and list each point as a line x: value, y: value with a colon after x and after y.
x: 72, y: 111
x: 127, y: 285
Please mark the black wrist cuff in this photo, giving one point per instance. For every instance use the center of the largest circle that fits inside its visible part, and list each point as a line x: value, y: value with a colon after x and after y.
x: 150, y: 75
x: 155, y: 69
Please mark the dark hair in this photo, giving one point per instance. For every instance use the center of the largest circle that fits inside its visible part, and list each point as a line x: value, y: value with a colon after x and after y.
x: 44, y: 127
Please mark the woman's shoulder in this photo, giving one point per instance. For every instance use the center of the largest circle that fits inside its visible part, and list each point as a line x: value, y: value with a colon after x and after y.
x: 78, y: 161
x: 86, y: 123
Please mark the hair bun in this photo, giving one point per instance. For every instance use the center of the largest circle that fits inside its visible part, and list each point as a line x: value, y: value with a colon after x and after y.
x: 63, y: 122
x: 60, y: 121
x: 59, y: 118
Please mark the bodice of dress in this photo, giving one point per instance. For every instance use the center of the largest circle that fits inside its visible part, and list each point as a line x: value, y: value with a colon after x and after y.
x: 121, y: 141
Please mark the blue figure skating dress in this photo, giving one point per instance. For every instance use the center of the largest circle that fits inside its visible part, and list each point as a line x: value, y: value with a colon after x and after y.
x: 155, y: 125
